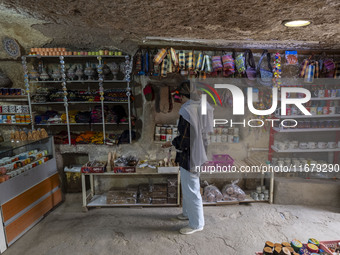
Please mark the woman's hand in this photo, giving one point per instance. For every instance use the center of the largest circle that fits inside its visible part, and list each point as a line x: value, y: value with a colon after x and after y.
x: 167, y: 145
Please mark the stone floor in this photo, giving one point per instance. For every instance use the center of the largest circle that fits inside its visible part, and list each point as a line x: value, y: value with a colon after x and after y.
x: 239, y: 229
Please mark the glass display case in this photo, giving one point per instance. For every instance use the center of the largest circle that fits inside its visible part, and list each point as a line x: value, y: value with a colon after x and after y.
x: 29, y: 187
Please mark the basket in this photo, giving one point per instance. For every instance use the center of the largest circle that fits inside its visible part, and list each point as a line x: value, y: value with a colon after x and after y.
x: 325, y: 245
x: 223, y: 159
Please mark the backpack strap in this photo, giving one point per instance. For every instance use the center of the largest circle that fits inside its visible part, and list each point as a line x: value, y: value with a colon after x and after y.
x: 249, y: 59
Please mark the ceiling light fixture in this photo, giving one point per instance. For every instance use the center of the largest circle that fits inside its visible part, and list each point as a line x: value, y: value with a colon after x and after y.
x: 296, y: 23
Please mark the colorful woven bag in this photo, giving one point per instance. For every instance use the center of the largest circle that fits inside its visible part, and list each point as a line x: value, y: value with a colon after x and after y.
x: 160, y: 56
x: 228, y: 65
x: 240, y: 64
x: 216, y: 63
x: 265, y: 77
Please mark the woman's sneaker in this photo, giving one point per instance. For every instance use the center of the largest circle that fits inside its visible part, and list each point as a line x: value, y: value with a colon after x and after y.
x: 188, y: 230
x: 182, y: 217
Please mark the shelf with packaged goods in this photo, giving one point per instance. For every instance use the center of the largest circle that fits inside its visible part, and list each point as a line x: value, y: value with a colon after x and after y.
x: 324, y: 98
x: 304, y: 150
x: 319, y: 98
x: 81, y: 124
x: 79, y: 81
x: 77, y: 56
x: 80, y: 102
x: 18, y: 124
x: 297, y: 130
x: 98, y: 83
x: 307, y: 116
x: 19, y: 98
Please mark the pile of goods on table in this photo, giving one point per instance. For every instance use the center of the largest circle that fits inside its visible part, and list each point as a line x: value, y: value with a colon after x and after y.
x: 145, y: 194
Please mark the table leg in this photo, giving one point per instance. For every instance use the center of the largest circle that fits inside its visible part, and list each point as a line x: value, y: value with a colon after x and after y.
x: 83, y: 189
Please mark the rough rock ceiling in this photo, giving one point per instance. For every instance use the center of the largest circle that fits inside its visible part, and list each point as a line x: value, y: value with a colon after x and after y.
x: 126, y: 23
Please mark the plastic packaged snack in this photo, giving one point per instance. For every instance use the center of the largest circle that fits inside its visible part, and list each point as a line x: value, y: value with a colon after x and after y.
x: 291, y: 57
x: 232, y: 192
x: 212, y: 194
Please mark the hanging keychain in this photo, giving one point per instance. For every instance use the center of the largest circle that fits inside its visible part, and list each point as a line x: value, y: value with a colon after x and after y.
x: 277, y: 70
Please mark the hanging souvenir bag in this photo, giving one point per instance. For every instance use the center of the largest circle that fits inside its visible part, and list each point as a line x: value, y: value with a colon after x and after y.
x: 169, y: 62
x: 309, y: 73
x: 337, y: 71
x: 264, y: 77
x: 181, y: 59
x: 250, y: 65
x: 190, y: 60
x: 164, y: 68
x: 328, y: 68
x: 199, y: 62
x: 160, y: 56
x: 146, y: 62
x: 174, y: 57
x: 148, y: 92
x: 228, y: 65
x: 216, y: 63
x: 240, y: 64
x: 208, y: 65
x: 138, y: 61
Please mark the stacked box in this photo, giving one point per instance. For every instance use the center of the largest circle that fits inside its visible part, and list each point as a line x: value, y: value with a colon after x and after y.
x: 144, y: 194
x: 127, y: 196
x: 172, y: 190
x: 159, y: 194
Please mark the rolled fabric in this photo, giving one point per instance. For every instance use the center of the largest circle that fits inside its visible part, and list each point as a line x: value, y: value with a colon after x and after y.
x: 208, y: 64
x: 174, y: 56
x: 164, y: 68
x: 190, y: 60
x: 160, y: 56
x: 199, y: 61
x: 169, y: 62
x: 181, y: 59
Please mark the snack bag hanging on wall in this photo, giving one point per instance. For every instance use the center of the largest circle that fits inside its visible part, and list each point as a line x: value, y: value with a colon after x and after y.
x: 208, y: 64
x: 228, y: 65
x: 164, y: 68
x: 216, y: 63
x: 160, y: 56
x: 240, y: 64
x: 291, y: 57
x: 181, y: 59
